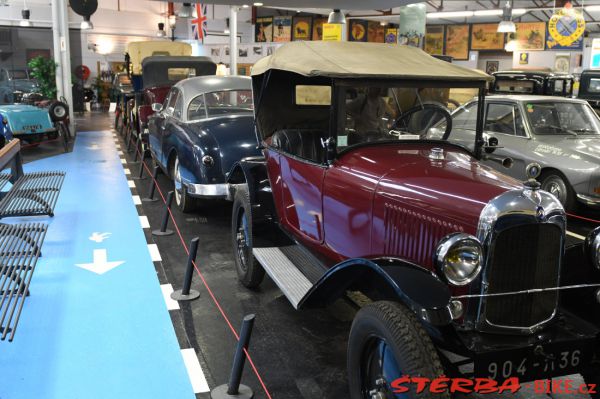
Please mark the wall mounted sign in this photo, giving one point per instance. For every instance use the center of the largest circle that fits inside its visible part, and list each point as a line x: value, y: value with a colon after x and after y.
x: 524, y: 59
x: 566, y: 26
x: 302, y: 28
x: 552, y: 44
x: 376, y: 32
x: 263, y: 30
x: 486, y: 37
x: 457, y: 42
x: 434, y: 40
x: 530, y: 36
x: 595, y: 55
x: 391, y: 35
x: 317, y: 29
x: 332, y: 32
x: 357, y: 30
x: 282, y: 29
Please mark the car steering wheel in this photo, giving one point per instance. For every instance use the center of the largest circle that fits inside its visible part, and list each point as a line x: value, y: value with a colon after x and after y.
x: 430, y: 110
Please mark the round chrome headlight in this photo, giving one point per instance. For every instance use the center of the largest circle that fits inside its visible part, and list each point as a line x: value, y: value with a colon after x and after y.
x: 459, y: 257
x: 592, y: 246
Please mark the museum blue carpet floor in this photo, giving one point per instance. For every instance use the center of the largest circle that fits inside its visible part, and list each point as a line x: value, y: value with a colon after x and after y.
x: 89, y: 335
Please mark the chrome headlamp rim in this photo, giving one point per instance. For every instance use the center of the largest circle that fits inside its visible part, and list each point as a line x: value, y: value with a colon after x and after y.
x: 450, y: 242
x: 592, y: 247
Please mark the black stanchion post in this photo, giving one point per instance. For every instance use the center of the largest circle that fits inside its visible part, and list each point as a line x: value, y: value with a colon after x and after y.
x: 137, y: 148
x: 150, y: 197
x: 130, y: 140
x: 186, y: 293
x: 140, y: 175
x: 165, y: 220
x: 234, y: 389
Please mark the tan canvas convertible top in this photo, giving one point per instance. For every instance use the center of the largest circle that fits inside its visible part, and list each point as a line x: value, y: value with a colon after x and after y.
x: 363, y: 60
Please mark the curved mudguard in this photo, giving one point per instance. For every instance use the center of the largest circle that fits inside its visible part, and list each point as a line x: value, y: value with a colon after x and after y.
x: 252, y: 171
x: 389, y: 279
x: 578, y: 270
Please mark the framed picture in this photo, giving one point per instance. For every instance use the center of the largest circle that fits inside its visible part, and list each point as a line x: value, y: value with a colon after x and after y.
x: 32, y: 53
x: 317, y: 28
x: 486, y: 37
x: 391, y: 35
x: 375, y: 32
x: 282, y: 29
x: 302, y: 28
x: 491, y: 67
x: 357, y: 30
x: 457, y: 42
x: 562, y: 62
x: 434, y: 40
x: 263, y: 30
x: 530, y: 36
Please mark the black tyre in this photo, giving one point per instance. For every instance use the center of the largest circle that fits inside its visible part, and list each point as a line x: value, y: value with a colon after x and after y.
x: 556, y: 184
x: 64, y: 135
x: 58, y: 111
x: 184, y: 201
x: 250, y: 272
x: 387, y: 342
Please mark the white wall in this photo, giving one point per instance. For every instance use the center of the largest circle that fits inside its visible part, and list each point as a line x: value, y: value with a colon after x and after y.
x: 543, y: 59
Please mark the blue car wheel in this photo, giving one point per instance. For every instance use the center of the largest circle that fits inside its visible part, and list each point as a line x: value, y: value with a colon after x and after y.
x: 387, y: 342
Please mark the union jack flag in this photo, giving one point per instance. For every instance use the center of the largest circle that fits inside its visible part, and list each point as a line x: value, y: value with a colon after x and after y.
x: 199, y: 23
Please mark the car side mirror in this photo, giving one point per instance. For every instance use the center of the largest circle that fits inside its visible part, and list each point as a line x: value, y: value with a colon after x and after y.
x: 491, y: 143
x: 156, y: 107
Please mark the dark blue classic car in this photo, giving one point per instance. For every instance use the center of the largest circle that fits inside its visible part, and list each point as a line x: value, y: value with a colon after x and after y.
x: 204, y: 126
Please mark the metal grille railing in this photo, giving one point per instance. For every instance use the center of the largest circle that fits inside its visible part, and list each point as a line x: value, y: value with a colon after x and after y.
x: 20, y: 248
x: 33, y: 194
x: 523, y: 258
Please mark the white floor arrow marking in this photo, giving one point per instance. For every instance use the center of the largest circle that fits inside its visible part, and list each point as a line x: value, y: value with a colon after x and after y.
x: 101, y: 264
x: 99, y: 237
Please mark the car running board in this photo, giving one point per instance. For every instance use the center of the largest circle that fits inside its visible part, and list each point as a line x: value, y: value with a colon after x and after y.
x: 291, y: 268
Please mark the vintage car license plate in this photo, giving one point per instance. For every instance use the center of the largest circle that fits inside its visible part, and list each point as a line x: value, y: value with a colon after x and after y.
x: 559, y: 359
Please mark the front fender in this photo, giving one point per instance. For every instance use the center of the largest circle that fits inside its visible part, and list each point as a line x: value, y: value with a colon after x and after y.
x: 386, y: 279
x: 578, y: 270
x: 252, y: 172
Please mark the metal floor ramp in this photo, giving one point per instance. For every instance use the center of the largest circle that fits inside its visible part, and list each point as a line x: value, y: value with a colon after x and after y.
x: 32, y: 194
x: 20, y: 248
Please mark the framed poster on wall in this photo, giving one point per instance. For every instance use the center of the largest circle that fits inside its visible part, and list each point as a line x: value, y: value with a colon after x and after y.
x: 375, y: 32
x: 486, y: 37
x: 434, y: 40
x: 491, y: 67
x: 457, y: 42
x: 317, y: 28
x: 357, y: 30
x: 391, y: 35
x: 530, y: 36
x: 301, y: 28
x: 263, y: 30
x: 282, y: 29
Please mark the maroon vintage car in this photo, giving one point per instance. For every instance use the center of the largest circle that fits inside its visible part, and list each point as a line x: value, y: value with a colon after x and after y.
x: 159, y: 74
x: 467, y: 269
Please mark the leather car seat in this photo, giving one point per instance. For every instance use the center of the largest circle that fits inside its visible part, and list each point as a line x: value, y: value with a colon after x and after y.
x: 303, y: 143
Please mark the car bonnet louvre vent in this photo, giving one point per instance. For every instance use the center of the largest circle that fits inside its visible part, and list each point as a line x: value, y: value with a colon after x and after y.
x: 413, y: 235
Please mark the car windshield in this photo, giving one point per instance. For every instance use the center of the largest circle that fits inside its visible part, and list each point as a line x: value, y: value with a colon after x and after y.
x: 562, y: 118
x: 383, y: 113
x: 219, y: 103
x: 18, y: 74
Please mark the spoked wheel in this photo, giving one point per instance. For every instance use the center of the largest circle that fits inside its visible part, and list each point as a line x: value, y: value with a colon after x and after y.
x: 64, y: 135
x: 556, y: 185
x: 250, y: 272
x: 182, y: 198
x: 387, y: 342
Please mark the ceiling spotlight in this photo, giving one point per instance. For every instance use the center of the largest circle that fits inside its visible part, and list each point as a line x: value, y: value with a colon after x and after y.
x: 86, y: 24
x: 172, y: 21
x: 507, y: 25
x: 185, y: 11
x: 258, y: 4
x: 25, y: 22
x: 245, y: 6
x: 227, y: 31
x: 161, y: 30
x: 336, y: 17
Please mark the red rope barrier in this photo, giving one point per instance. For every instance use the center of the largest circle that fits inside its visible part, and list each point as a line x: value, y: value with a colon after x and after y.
x: 583, y: 218
x: 204, y: 282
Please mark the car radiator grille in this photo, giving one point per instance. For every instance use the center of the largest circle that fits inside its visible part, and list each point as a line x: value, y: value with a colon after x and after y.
x: 522, y: 258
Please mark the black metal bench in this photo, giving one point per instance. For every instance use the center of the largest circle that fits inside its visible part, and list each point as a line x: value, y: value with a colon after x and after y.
x: 20, y: 248
x: 32, y: 194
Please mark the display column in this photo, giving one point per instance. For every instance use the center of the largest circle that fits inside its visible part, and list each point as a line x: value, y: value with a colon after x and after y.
x: 233, y: 44
x: 62, y: 53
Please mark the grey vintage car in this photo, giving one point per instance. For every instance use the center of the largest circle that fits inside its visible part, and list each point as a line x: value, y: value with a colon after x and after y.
x: 562, y: 135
